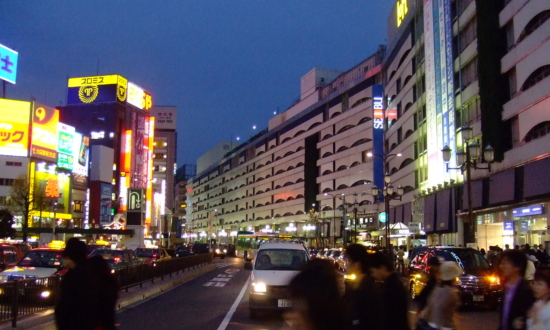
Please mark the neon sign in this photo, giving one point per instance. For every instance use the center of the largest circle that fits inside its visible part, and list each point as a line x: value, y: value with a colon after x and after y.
x: 402, y: 9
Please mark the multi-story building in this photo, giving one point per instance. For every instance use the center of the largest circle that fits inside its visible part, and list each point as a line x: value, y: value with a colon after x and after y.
x: 310, y: 157
x: 181, y: 194
x: 164, y: 166
x: 488, y: 61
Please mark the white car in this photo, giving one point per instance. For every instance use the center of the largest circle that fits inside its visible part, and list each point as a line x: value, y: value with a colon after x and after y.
x: 274, y: 266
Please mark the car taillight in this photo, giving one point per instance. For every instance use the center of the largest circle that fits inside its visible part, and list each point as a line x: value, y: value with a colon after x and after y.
x: 155, y: 256
x: 117, y: 260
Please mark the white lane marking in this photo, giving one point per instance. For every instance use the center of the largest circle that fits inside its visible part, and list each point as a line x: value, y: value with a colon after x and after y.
x: 218, y: 279
x: 216, y: 284
x: 221, y: 265
x: 233, y: 308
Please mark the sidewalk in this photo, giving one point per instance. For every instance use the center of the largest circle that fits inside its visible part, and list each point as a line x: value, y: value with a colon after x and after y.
x: 45, y: 320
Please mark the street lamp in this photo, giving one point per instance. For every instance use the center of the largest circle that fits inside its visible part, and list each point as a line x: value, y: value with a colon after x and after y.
x: 333, y: 216
x: 388, y: 192
x: 465, y: 162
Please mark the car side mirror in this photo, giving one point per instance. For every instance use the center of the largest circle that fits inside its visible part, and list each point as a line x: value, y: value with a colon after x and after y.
x: 248, y: 265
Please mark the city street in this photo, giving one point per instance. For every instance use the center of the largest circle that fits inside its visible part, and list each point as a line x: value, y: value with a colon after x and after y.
x: 212, y: 302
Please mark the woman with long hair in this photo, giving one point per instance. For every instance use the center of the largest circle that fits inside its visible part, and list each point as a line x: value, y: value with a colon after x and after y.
x: 539, y: 315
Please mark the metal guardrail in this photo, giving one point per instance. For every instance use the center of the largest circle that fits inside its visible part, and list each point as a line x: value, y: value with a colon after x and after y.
x: 24, y: 297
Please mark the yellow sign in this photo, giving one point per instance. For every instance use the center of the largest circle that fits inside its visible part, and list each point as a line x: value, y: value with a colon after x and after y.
x: 402, y: 10
x: 97, y: 80
x: 14, y: 127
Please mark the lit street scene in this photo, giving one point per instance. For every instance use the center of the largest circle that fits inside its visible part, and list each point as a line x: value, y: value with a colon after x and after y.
x: 305, y: 165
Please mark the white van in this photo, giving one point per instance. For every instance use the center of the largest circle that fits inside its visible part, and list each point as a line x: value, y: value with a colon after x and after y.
x: 274, y: 266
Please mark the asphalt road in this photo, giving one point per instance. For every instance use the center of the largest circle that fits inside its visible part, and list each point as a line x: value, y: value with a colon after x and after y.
x: 219, y: 300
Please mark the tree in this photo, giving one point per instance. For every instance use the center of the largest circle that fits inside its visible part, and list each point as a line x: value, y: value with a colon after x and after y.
x: 6, y: 223
x: 22, y: 201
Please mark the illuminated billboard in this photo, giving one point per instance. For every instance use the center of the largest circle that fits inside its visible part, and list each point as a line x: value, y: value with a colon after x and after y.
x: 138, y: 97
x: 44, y: 132
x: 57, y: 189
x: 65, y: 152
x: 97, y: 89
x: 8, y: 64
x: 14, y: 127
x: 378, y: 134
x: 81, y: 152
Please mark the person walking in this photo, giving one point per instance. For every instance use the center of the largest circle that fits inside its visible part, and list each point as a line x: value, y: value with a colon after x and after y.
x: 518, y: 296
x: 77, y: 302
x: 107, y: 292
x: 361, y: 308
x: 391, y: 295
x: 539, y: 315
x: 433, y: 270
x: 401, y: 260
x: 444, y: 300
x: 313, y: 292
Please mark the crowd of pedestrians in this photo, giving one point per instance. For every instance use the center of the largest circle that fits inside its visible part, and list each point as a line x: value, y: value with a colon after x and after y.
x: 378, y: 299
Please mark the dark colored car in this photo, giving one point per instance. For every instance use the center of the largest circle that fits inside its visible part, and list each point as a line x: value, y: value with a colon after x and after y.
x: 220, y: 251
x: 312, y: 253
x: 183, y: 251
x: 118, y: 258
x: 478, y: 285
x: 199, y: 248
x: 150, y: 255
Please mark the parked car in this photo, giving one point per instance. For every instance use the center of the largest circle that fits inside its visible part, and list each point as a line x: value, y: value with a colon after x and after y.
x: 183, y: 251
x: 38, y: 265
x: 22, y: 247
x: 334, y: 257
x: 312, y: 253
x: 478, y: 285
x: 118, y: 258
x: 150, y: 255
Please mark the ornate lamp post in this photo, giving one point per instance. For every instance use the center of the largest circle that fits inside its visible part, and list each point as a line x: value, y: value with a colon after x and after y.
x: 466, y: 161
x: 388, y: 194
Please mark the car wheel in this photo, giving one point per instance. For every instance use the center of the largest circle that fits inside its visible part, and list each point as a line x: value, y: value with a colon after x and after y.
x: 253, y: 313
x: 412, y: 292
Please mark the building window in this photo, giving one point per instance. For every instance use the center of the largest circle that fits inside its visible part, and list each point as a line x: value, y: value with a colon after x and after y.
x: 14, y: 164
x: 536, y: 77
x: 534, y: 24
x: 3, y: 200
x: 510, y: 37
x: 469, y: 73
x: 512, y: 82
x: 6, y: 182
x: 538, y: 131
x: 462, y: 5
x: 472, y: 111
x: 468, y: 34
x: 515, y: 132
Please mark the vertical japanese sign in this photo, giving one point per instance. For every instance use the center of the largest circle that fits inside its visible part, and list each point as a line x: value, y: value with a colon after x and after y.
x: 44, y: 132
x: 378, y: 134
x: 440, y: 101
x: 8, y: 64
x: 65, y: 152
x: 105, y: 206
x: 14, y: 127
x: 81, y: 146
x: 140, y: 171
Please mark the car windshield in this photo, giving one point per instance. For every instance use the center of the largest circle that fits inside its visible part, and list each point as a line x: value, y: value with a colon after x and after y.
x: 48, y: 259
x: 465, y: 258
x: 147, y: 252
x: 336, y: 254
x: 280, y: 259
x: 92, y: 247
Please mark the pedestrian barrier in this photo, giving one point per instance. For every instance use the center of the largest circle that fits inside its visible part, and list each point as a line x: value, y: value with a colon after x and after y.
x: 27, y: 296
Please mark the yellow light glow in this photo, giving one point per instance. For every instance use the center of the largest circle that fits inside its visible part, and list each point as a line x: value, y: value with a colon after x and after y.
x: 97, y: 80
x: 402, y: 9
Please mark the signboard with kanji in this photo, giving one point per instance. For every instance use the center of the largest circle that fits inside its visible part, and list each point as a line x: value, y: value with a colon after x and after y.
x: 44, y: 132
x: 8, y: 64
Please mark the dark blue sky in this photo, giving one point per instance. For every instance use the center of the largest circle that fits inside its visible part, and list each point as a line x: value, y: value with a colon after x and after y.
x: 226, y: 64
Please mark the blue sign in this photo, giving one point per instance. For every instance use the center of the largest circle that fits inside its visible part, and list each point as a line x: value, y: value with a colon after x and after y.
x: 378, y: 135
x: 509, y: 225
x: 382, y: 217
x: 8, y: 64
x: 523, y: 226
x: 529, y: 210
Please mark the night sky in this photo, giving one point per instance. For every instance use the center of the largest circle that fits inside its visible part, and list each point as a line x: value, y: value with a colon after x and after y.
x: 226, y: 64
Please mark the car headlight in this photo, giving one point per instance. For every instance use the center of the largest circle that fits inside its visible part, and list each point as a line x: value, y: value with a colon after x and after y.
x: 217, y: 250
x: 493, y: 280
x: 259, y: 287
x: 45, y: 294
x: 224, y: 251
x: 350, y: 277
